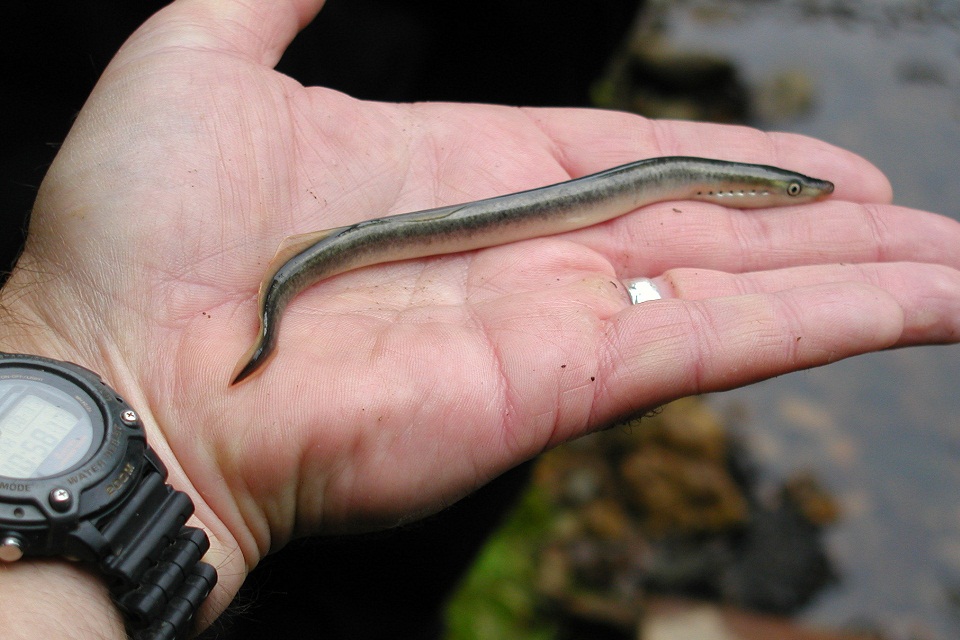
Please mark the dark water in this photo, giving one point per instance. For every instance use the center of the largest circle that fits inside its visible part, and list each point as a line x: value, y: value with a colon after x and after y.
x: 883, y: 431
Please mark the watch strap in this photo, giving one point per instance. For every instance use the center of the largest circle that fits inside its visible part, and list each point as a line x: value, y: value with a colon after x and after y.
x: 154, y: 560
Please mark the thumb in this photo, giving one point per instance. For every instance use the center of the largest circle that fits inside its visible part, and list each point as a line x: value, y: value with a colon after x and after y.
x: 258, y: 30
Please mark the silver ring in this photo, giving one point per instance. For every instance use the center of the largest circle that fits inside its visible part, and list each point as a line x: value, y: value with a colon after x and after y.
x: 641, y: 290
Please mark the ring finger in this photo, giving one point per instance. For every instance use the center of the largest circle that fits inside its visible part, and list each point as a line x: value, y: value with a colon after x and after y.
x: 928, y: 294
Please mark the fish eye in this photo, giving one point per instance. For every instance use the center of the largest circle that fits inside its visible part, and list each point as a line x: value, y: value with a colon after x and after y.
x: 794, y: 189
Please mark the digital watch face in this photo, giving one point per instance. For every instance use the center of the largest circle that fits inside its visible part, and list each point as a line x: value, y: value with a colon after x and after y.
x: 44, y: 428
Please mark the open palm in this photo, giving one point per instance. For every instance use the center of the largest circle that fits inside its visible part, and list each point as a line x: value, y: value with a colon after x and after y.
x: 399, y: 388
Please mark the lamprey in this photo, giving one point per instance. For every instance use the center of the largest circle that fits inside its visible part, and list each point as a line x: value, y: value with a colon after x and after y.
x: 304, y: 260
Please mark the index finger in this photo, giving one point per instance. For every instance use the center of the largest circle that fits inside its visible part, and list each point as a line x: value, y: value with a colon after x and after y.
x: 585, y: 141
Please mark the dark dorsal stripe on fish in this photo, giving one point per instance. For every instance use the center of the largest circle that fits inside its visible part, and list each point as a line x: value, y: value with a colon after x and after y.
x: 304, y: 260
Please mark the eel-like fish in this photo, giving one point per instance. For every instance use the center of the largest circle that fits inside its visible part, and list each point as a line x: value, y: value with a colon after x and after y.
x: 306, y: 259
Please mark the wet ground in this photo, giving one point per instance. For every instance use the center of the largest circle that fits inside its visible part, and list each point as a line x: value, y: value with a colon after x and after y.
x: 883, y: 431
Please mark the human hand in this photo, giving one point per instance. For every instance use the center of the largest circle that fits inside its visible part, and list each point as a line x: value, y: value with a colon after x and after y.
x: 400, y: 388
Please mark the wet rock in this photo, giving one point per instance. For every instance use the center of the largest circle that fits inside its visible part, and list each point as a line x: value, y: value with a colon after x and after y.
x: 658, y: 82
x: 786, y: 96
x: 702, y: 622
x: 805, y: 493
x: 669, y: 619
x: 676, y: 494
x: 779, y: 563
x: 669, y: 505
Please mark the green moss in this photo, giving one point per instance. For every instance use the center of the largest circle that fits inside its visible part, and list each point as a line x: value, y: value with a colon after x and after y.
x: 497, y: 599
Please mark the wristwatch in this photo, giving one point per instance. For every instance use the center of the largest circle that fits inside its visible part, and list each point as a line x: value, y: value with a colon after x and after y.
x: 77, y: 479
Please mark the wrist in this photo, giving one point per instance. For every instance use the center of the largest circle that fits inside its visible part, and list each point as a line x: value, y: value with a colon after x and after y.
x: 25, y: 325
x: 81, y: 481
x: 53, y: 598
x: 43, y: 598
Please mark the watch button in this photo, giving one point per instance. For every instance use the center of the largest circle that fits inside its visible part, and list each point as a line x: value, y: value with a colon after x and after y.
x: 11, y: 549
x: 61, y: 500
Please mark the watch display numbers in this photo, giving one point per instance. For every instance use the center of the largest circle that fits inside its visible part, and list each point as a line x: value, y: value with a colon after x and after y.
x: 43, y: 431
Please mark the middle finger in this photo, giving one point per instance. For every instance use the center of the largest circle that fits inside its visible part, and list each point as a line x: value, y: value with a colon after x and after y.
x: 689, y: 234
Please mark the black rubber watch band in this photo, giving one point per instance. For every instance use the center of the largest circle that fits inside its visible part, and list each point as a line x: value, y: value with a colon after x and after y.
x: 157, y: 578
x: 78, y: 479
